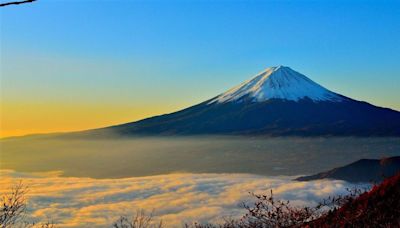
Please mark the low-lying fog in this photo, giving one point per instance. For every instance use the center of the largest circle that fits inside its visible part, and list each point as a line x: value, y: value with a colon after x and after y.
x: 110, y: 158
x: 175, y: 198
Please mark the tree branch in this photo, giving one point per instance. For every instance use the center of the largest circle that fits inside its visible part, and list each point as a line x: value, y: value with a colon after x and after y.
x: 16, y: 3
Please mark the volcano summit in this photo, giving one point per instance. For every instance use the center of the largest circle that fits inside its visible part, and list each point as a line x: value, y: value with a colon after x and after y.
x: 278, y: 83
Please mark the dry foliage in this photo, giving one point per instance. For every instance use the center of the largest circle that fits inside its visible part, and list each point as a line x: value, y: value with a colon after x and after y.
x: 269, y: 212
x: 139, y: 220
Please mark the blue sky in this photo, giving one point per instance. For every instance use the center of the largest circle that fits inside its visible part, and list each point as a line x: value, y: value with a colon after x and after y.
x: 133, y: 59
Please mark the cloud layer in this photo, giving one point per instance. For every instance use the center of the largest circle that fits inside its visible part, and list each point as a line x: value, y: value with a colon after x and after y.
x: 176, y: 198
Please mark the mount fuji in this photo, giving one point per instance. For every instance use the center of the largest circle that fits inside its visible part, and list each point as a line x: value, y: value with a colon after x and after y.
x: 277, y: 102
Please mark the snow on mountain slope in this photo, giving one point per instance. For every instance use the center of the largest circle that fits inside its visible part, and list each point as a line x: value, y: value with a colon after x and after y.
x: 278, y: 83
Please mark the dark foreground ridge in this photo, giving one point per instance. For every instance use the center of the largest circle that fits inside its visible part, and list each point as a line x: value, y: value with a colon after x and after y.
x: 364, y: 170
x: 379, y: 207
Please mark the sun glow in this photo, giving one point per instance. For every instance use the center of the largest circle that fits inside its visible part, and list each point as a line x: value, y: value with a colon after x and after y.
x: 23, y: 118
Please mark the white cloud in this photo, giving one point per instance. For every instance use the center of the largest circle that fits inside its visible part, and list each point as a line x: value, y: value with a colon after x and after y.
x: 176, y: 198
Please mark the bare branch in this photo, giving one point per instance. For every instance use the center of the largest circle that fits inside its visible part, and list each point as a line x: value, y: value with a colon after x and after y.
x: 16, y: 3
x: 139, y: 220
x: 13, y: 205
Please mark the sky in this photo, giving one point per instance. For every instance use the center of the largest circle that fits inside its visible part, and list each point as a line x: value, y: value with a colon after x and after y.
x: 74, y: 65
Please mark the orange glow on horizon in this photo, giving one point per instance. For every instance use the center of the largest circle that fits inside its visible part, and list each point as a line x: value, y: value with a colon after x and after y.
x: 23, y: 118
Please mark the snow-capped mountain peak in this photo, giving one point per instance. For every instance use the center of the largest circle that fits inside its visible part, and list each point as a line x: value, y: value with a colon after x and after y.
x: 298, y: 107
x: 278, y: 83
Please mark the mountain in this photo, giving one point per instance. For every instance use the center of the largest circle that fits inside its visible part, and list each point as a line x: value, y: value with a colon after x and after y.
x: 277, y: 102
x: 364, y: 170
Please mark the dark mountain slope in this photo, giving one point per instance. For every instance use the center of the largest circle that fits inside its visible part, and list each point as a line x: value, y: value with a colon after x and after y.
x: 273, y: 117
x: 364, y: 170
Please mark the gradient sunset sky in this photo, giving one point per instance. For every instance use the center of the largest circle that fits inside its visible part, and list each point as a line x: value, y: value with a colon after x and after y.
x: 72, y: 65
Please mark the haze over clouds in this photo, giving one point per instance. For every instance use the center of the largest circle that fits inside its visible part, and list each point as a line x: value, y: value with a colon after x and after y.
x: 176, y: 198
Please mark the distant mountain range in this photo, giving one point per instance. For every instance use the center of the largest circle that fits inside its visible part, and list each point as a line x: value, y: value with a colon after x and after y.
x: 364, y: 170
x: 277, y: 102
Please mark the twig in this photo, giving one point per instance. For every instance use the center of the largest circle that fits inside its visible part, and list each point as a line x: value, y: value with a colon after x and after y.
x: 16, y: 3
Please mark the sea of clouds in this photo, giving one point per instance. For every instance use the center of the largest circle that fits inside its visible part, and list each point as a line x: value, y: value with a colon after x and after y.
x: 175, y: 198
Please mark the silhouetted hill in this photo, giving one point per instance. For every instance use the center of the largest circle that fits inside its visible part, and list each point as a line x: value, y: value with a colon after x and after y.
x: 364, y: 170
